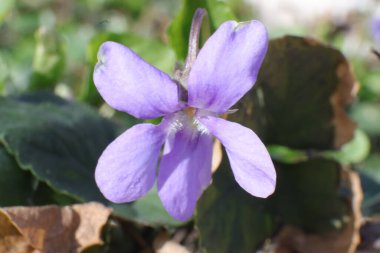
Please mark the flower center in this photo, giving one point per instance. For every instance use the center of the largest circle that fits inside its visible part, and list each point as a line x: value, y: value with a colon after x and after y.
x: 190, y: 111
x: 187, y: 120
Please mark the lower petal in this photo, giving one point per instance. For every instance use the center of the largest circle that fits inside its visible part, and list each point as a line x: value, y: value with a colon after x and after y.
x: 127, y: 168
x: 185, y: 171
x: 250, y: 161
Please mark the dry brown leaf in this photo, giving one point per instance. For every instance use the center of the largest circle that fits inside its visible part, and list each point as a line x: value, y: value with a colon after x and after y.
x: 343, y: 96
x: 89, y: 231
x: 163, y: 244
x: 53, y: 229
x: 11, y: 239
x: 292, y: 239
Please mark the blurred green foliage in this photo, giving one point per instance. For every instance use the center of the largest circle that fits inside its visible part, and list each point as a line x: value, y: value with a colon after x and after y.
x: 49, y: 59
x: 179, y: 30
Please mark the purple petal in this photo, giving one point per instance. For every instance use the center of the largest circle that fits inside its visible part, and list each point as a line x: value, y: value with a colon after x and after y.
x: 127, y: 168
x: 375, y: 27
x: 227, y: 65
x: 128, y: 83
x: 250, y: 161
x: 184, y: 173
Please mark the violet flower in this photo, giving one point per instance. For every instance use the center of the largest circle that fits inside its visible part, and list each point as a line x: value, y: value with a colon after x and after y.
x: 211, y: 82
x: 375, y: 27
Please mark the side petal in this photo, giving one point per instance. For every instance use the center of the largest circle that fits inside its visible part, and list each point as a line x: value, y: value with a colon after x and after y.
x: 128, y: 83
x: 250, y: 161
x: 227, y: 65
x: 127, y: 168
x: 184, y: 173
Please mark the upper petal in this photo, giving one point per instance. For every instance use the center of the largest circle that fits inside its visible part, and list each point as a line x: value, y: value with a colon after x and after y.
x: 129, y: 84
x: 227, y: 65
x: 250, y: 161
x: 185, y: 171
x: 127, y: 168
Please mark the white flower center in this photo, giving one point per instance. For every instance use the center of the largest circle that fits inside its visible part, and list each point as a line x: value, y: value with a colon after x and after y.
x: 186, y: 120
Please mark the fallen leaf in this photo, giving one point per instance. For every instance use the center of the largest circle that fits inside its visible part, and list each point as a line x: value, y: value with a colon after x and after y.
x: 54, y: 229
x: 163, y: 244
x: 95, y: 217
x: 11, y: 239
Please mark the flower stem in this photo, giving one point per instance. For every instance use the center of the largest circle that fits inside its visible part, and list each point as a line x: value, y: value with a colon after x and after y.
x: 181, y: 75
x: 194, y: 38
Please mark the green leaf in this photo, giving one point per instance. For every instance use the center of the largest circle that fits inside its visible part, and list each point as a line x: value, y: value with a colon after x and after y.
x: 219, y: 11
x: 179, y: 30
x: 151, y: 50
x: 289, y: 104
x: 147, y: 210
x: 309, y: 195
x: 354, y: 151
x: 368, y: 117
x: 286, y: 155
x: 43, y: 194
x: 19, y: 187
x: 49, y: 59
x: 15, y: 184
x: 57, y: 141
x: 228, y: 218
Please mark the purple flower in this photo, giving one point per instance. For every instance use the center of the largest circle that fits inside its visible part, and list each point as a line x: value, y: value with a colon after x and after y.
x: 375, y: 27
x: 212, y: 81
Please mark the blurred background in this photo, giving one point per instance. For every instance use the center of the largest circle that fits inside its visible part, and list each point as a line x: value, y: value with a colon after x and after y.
x: 347, y: 25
